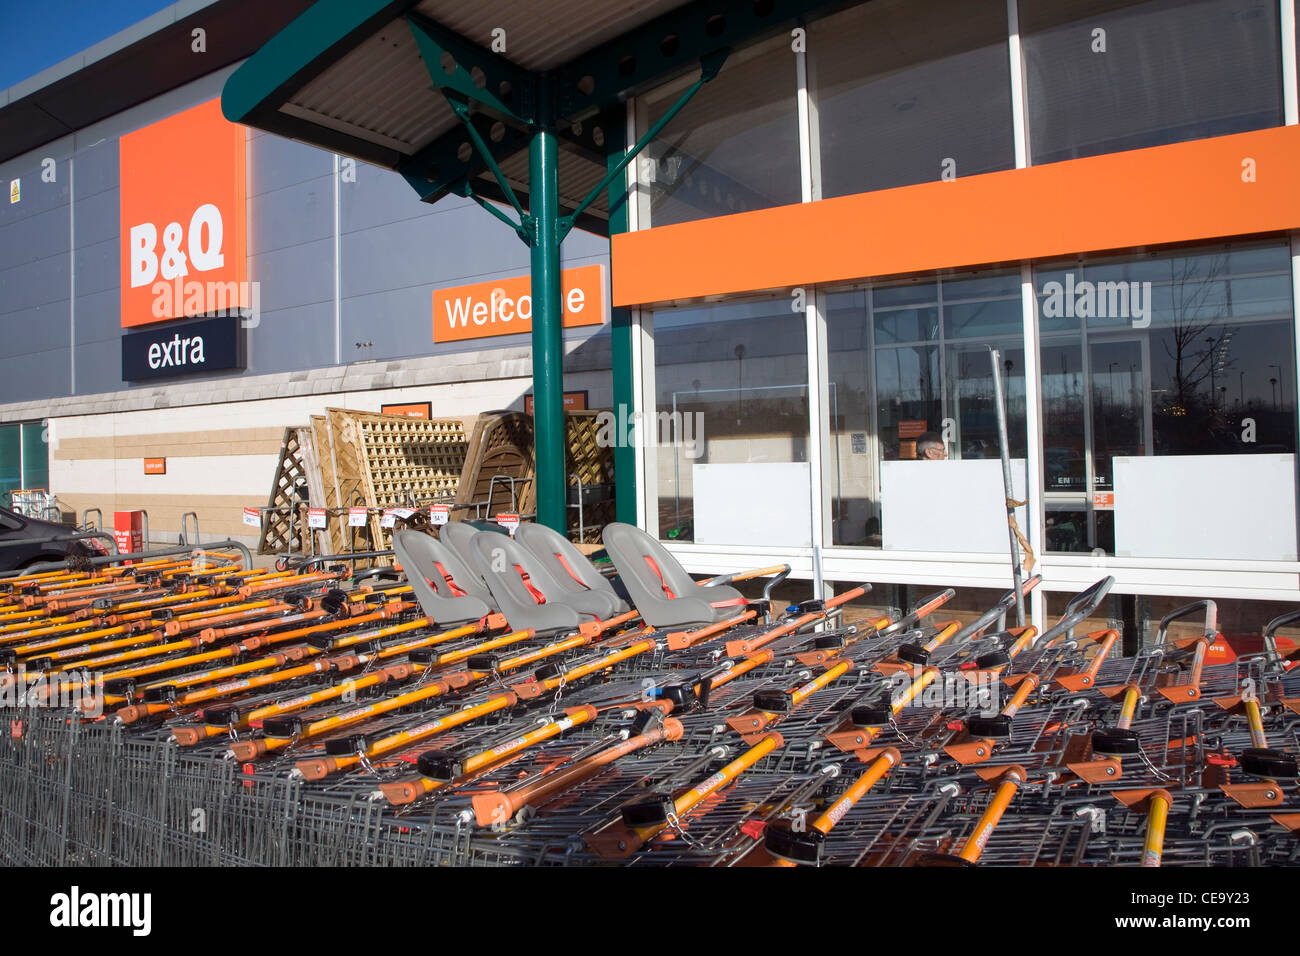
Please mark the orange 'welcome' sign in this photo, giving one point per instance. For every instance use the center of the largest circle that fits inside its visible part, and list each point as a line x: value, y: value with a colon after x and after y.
x: 182, y: 217
x: 505, y: 307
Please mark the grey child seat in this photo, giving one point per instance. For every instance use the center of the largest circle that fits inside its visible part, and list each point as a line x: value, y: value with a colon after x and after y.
x: 660, y: 588
x: 449, y: 592
x: 504, y: 562
x: 457, y: 535
x: 570, y: 567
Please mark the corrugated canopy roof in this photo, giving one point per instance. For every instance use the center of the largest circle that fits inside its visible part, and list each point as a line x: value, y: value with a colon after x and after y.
x: 350, y: 76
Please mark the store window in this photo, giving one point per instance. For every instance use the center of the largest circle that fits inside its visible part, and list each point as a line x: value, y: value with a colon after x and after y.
x: 907, y: 93
x: 733, y: 148
x: 24, y: 459
x: 909, y: 362
x: 1114, y: 75
x: 1177, y: 353
x: 731, y: 425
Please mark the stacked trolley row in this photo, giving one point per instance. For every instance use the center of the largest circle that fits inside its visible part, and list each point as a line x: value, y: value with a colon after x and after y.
x: 189, y: 709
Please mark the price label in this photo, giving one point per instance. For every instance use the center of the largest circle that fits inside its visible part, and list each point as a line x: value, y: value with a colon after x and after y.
x: 390, y: 516
x: 252, y: 517
x: 509, y: 521
x: 315, y: 517
x: 439, y: 514
x: 357, y: 517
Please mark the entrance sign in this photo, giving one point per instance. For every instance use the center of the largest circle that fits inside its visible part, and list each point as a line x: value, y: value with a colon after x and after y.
x: 505, y: 307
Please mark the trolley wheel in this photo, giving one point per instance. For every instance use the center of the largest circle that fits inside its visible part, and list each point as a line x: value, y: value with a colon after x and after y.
x: 997, y: 658
x: 1266, y: 762
x: 162, y: 694
x: 439, y: 765
x: 871, y: 716
x: 648, y: 813
x: 1113, y: 742
x: 996, y: 728
x: 346, y: 745
x: 913, y: 654
x: 803, y: 847
x: 282, y: 727
x: 222, y: 716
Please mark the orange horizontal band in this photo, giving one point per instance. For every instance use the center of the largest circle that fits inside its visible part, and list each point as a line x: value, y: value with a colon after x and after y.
x: 1181, y: 192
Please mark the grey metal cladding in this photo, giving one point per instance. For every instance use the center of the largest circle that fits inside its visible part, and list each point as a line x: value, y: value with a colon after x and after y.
x: 276, y: 163
x: 398, y: 321
x: 97, y: 215
x: 290, y: 216
x: 96, y: 167
x: 38, y: 329
x: 34, y: 283
x: 379, y: 197
x: 37, y: 237
x: 36, y: 374
x: 295, y: 275
x: 38, y: 197
x: 99, y: 267
x: 99, y: 319
x: 443, y: 249
x: 99, y: 365
x: 292, y: 339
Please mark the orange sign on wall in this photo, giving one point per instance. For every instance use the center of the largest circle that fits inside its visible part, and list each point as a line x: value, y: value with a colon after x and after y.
x: 155, y: 466
x: 412, y: 410
x: 505, y: 307
x: 183, y: 218
x: 573, y: 402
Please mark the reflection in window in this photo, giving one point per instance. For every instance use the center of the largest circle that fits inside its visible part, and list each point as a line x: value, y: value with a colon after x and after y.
x: 732, y: 148
x: 912, y: 357
x: 732, y: 381
x: 1201, y: 363
x: 907, y: 92
x: 1120, y: 74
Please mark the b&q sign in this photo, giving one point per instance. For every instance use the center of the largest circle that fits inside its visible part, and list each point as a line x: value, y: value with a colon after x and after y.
x: 182, y: 196
x: 505, y: 307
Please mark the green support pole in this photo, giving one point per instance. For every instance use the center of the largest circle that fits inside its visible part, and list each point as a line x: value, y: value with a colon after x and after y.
x: 625, y: 476
x: 548, y: 349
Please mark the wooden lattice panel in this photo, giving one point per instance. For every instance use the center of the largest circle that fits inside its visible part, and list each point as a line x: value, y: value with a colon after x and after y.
x: 501, y: 444
x: 586, y: 457
x: 290, y: 472
x: 401, y: 458
x: 340, y: 466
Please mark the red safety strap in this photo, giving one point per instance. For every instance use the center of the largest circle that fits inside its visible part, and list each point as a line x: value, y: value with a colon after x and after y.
x: 573, y: 574
x: 538, y: 596
x: 659, y: 574
x: 456, y: 589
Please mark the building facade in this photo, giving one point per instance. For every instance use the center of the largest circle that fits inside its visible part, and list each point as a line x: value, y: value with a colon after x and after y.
x: 818, y: 253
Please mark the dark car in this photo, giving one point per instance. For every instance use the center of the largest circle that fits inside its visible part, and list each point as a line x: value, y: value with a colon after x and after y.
x: 20, y: 543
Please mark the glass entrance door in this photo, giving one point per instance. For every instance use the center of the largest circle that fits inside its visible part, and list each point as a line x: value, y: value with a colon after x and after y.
x: 1120, y: 425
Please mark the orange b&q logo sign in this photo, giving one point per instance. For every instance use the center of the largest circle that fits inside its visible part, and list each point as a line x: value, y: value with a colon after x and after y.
x: 182, y: 194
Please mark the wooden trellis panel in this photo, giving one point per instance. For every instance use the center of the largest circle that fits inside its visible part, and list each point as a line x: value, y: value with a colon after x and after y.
x: 583, y: 455
x: 400, y: 459
x: 289, y: 472
x: 501, y: 444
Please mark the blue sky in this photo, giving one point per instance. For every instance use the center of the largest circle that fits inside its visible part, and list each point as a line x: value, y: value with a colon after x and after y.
x: 36, y: 35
